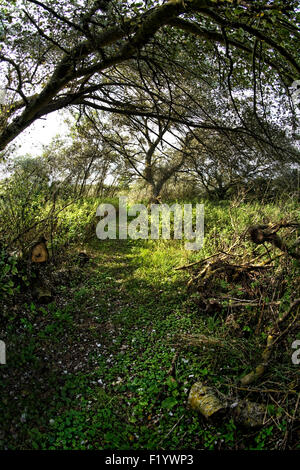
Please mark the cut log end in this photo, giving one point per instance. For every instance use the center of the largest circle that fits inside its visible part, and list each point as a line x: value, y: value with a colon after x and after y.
x: 39, y: 251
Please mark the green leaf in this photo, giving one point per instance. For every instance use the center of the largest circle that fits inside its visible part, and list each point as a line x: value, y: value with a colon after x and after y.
x: 169, y: 403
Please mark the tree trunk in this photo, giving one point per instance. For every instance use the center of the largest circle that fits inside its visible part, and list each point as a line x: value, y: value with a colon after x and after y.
x: 155, y: 194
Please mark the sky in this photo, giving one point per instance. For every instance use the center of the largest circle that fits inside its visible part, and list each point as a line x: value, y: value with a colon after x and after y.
x: 40, y: 133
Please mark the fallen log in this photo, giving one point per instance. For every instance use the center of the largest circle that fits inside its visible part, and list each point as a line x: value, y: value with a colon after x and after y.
x: 250, y: 414
x: 203, y: 399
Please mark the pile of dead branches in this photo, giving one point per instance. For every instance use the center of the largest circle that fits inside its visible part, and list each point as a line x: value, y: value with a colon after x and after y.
x: 247, y: 266
x: 253, y: 273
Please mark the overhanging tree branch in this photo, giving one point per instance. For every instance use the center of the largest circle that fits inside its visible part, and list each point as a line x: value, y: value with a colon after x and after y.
x: 121, y: 43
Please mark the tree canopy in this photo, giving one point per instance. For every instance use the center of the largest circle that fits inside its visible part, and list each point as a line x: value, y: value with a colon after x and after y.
x: 204, y: 56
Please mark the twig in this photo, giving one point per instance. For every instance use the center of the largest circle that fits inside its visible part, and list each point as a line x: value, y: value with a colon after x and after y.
x: 173, y: 363
x: 171, y: 430
x: 242, y: 303
x: 294, y: 304
x: 259, y: 390
x: 196, y: 340
x: 261, y: 367
x: 186, y: 266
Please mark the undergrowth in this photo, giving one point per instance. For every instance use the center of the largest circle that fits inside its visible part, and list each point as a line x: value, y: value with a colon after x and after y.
x: 91, y: 370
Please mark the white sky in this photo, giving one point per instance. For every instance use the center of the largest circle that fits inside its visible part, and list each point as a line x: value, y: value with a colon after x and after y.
x: 40, y: 133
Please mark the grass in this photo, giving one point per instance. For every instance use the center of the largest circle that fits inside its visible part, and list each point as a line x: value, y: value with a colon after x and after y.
x: 92, y: 369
